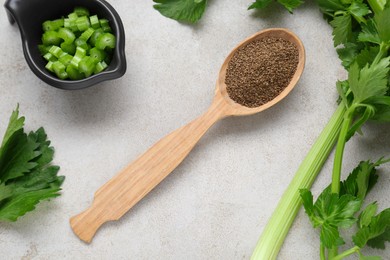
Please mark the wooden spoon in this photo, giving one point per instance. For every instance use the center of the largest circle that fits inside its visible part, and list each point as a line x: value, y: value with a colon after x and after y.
x: 130, y: 185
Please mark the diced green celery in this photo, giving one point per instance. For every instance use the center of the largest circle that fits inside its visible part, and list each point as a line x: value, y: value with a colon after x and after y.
x: 52, y: 25
x: 56, y: 51
x: 82, y: 23
x: 68, y: 48
x: 59, y: 70
x: 95, y: 35
x: 50, y: 38
x: 49, y: 66
x: 97, y: 54
x: 81, y: 11
x: 73, y: 16
x: 87, y: 34
x: 80, y: 53
x: 95, y: 24
x: 104, y: 24
x: 43, y: 49
x: 87, y: 66
x: 106, y: 40
x: 83, y: 44
x: 70, y: 24
x: 65, y: 59
x: 74, y: 35
x: 66, y: 34
x: 49, y: 57
x: 74, y: 73
x: 100, y: 66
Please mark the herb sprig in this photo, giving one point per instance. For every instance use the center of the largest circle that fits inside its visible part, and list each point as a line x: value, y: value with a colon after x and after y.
x: 26, y: 173
x: 333, y: 211
x: 181, y: 10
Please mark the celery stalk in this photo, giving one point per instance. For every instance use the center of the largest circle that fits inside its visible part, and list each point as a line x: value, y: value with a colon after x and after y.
x: 283, y: 216
x: 377, y: 5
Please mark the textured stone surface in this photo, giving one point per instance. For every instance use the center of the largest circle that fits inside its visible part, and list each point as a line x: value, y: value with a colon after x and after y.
x: 217, y: 202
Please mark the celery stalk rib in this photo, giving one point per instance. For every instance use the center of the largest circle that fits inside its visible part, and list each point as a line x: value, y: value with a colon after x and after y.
x: 283, y: 216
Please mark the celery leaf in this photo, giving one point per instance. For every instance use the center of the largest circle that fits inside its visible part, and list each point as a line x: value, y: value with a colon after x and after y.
x: 367, y: 214
x: 347, y: 53
x: 259, y: 4
x: 358, y: 10
x: 331, y: 212
x: 342, y: 29
x: 369, y: 33
x: 369, y: 81
x: 367, y: 56
x: 181, y: 10
x: 330, y: 6
x: 377, y: 231
x: 361, y: 180
x: 290, y: 5
x: 379, y: 241
x: 26, y: 173
x: 382, y: 22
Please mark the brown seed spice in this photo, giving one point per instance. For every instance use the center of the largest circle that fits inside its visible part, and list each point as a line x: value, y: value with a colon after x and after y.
x: 261, y: 70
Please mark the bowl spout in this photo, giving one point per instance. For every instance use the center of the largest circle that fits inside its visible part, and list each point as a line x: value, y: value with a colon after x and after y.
x: 10, y: 10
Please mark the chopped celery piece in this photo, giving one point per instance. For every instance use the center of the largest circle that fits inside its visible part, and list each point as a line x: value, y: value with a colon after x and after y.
x: 82, y: 23
x: 83, y: 44
x: 59, y: 70
x: 80, y: 53
x: 87, y: 34
x: 106, y: 40
x: 66, y: 34
x: 81, y: 11
x: 95, y: 24
x: 49, y: 66
x: 56, y: 51
x: 73, y: 16
x: 70, y: 24
x: 49, y: 57
x: 65, y: 59
x: 43, y: 49
x: 87, y: 66
x: 100, y: 66
x: 97, y: 54
x: 68, y: 48
x: 52, y: 25
x: 104, y: 24
x: 73, y: 73
x: 95, y: 35
x: 50, y: 38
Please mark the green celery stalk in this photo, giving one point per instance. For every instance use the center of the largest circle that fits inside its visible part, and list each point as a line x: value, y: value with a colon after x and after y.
x: 377, y: 5
x: 283, y: 216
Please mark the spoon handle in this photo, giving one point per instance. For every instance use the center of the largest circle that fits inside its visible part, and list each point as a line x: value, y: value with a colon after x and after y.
x: 130, y: 185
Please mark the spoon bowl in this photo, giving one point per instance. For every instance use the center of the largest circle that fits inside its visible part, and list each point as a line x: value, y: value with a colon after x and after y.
x: 240, y: 110
x: 30, y: 14
x: 129, y: 186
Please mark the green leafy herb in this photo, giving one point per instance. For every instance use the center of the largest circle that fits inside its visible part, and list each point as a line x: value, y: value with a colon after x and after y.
x: 181, y: 10
x: 342, y: 28
x: 259, y: 4
x: 290, y: 5
x: 26, y: 173
x: 329, y: 213
x: 377, y: 231
x: 332, y: 211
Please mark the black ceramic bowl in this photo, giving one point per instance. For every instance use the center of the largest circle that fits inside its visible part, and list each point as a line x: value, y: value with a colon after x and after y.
x: 30, y: 14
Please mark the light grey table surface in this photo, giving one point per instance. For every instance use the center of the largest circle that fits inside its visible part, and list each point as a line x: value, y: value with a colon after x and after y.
x: 217, y: 202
